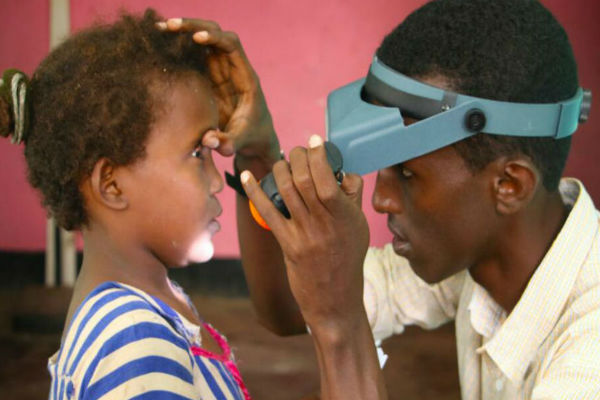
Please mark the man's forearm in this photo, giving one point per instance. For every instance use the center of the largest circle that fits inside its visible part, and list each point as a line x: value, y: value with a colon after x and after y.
x: 265, y: 272
x: 348, y: 362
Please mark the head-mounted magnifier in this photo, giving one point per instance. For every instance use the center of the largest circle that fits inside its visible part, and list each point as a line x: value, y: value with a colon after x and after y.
x: 372, y: 137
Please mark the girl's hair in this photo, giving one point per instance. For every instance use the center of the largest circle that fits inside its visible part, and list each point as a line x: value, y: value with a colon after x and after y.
x: 91, y: 98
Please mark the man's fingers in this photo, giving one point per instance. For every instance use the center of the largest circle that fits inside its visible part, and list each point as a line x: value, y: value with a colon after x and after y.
x: 219, y: 74
x: 263, y: 205
x: 224, y: 41
x: 235, y: 65
x: 211, y: 139
x: 326, y: 185
x: 230, y: 61
x: 226, y: 144
x: 195, y: 24
x: 191, y: 25
x: 206, y: 32
x: 352, y: 185
x: 219, y: 141
x: 303, y: 179
x: 288, y: 191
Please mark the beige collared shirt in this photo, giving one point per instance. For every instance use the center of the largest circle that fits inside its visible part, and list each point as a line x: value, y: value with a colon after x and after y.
x: 549, y: 345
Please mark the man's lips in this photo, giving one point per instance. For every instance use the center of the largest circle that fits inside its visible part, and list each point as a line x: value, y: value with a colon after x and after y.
x: 397, y: 232
x: 400, y: 242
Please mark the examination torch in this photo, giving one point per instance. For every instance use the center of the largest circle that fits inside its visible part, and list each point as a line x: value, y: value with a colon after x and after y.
x: 268, y: 185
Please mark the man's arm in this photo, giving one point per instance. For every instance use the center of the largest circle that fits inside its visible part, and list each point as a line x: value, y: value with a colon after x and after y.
x: 347, y: 360
x: 264, y: 268
x: 324, y: 245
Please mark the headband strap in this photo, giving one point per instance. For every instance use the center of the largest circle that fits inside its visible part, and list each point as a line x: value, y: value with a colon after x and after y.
x: 420, y: 100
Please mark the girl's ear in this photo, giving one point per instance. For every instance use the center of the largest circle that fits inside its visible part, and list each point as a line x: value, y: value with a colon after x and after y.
x: 105, y: 187
x: 515, y: 186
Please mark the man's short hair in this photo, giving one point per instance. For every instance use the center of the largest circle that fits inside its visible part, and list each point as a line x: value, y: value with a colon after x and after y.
x: 508, y: 50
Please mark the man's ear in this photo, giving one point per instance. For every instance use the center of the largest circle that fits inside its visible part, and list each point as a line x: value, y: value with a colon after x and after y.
x: 514, y: 185
x: 105, y: 187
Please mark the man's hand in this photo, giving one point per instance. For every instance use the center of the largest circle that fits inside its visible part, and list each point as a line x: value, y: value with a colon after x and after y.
x: 246, y: 127
x: 325, y: 241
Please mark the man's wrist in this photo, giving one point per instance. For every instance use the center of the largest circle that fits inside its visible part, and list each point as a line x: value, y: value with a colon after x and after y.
x: 259, y: 165
x: 348, y: 360
x: 263, y: 153
x: 340, y: 332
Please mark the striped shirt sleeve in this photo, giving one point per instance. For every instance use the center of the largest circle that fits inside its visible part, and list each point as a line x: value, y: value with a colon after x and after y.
x: 136, y: 355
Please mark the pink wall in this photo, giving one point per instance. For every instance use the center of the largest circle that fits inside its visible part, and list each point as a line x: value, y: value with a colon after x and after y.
x: 24, y: 40
x: 301, y: 50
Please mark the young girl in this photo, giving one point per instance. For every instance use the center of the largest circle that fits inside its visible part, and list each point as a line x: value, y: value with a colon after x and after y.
x: 115, y: 123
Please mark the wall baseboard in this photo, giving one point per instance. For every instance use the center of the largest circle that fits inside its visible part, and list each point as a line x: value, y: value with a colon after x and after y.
x: 221, y: 276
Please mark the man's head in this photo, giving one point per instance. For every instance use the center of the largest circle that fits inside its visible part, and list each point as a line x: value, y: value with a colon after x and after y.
x: 507, y: 50
x: 449, y: 209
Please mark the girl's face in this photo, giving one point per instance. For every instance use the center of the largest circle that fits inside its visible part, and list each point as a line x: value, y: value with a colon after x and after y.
x: 173, y: 199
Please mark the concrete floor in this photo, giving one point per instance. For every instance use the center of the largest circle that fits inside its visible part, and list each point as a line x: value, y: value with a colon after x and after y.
x: 421, y: 365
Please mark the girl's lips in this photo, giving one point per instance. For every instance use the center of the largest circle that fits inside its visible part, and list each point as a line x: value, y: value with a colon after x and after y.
x: 213, y: 226
x: 219, y: 208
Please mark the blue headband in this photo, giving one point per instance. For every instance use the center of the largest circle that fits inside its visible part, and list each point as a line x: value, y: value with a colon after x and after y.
x: 372, y: 137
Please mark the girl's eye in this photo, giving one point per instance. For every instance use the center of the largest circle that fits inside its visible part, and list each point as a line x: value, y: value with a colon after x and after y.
x: 198, y: 152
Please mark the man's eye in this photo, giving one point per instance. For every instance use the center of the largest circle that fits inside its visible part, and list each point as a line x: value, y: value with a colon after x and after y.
x: 405, y: 172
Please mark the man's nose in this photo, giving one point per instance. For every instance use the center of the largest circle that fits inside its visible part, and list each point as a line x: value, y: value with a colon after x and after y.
x: 386, y: 196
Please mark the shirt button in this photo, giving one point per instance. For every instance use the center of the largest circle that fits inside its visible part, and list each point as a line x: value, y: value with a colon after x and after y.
x: 499, y: 384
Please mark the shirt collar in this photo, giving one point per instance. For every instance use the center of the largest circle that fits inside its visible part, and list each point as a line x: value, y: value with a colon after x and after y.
x: 184, y: 327
x: 486, y: 315
x: 516, y: 342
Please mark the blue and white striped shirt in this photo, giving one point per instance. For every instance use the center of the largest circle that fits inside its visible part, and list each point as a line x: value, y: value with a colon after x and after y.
x: 125, y: 344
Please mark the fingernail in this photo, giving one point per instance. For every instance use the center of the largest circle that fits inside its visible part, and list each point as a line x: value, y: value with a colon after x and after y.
x: 211, y: 142
x: 174, y: 23
x: 244, y: 177
x: 202, y: 35
x: 161, y: 25
x: 314, y: 141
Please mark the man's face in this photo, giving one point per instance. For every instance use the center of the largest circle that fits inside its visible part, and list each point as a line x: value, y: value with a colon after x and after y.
x: 440, y: 212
